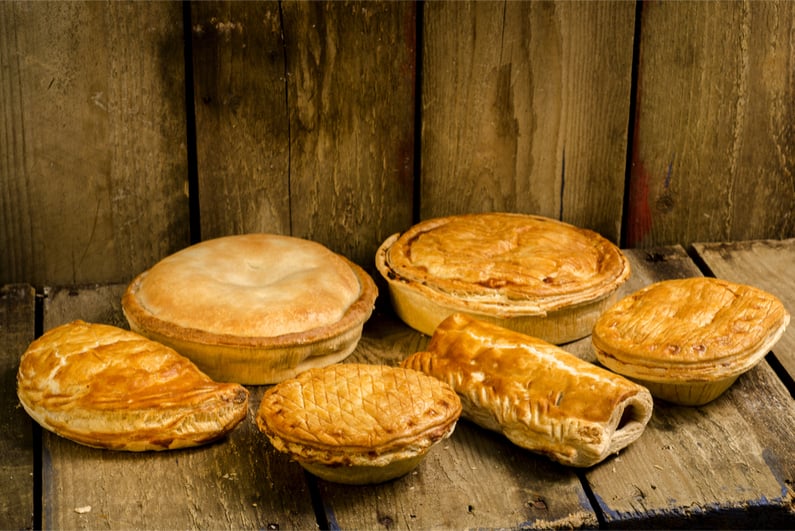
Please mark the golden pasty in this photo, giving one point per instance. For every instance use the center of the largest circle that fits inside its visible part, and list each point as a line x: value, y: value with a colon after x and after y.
x: 358, y: 423
x: 689, y: 339
x: 254, y: 308
x: 106, y: 387
x: 532, y: 274
x: 538, y: 395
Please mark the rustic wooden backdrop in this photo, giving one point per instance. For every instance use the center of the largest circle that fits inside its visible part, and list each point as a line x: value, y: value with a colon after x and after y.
x: 131, y: 129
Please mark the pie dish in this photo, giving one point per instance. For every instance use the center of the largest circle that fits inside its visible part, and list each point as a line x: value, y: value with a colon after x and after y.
x: 528, y: 273
x: 106, y: 387
x: 538, y: 395
x: 254, y: 308
x: 358, y: 423
x: 689, y: 339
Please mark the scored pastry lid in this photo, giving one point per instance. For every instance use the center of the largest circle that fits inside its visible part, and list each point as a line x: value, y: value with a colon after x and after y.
x: 251, y: 290
x: 504, y: 263
x: 689, y: 329
x: 354, y: 414
x: 107, y: 387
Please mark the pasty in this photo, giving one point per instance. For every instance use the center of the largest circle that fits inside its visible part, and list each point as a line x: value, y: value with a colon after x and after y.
x: 106, y: 387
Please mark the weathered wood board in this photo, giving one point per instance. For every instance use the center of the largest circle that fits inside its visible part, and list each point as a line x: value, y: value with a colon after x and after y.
x: 766, y: 264
x: 94, y: 181
x: 713, y: 148
x: 520, y: 114
x: 17, y: 310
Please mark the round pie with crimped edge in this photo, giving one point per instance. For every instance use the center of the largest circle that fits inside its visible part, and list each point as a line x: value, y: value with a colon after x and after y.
x: 253, y: 308
x: 532, y: 274
x: 687, y: 340
x: 358, y: 423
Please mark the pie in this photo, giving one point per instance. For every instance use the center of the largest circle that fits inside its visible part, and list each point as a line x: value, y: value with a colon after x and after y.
x: 358, y: 423
x: 254, y: 308
x: 689, y: 339
x: 106, y: 387
x: 529, y: 273
x: 538, y: 395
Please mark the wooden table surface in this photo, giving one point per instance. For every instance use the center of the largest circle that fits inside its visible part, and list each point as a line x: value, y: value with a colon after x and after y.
x: 729, y: 464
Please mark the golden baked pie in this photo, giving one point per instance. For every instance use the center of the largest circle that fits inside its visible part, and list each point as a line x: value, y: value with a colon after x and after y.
x: 106, y: 387
x: 538, y: 395
x: 358, y: 423
x: 532, y: 274
x: 254, y: 308
x: 689, y: 339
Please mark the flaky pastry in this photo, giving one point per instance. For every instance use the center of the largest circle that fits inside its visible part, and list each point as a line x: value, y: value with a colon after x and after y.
x: 689, y: 339
x: 106, y: 387
x: 529, y: 273
x: 253, y: 308
x: 538, y: 395
x: 358, y: 423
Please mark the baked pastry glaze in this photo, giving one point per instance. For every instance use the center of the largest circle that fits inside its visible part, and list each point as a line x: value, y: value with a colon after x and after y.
x: 532, y: 274
x: 358, y: 423
x: 538, y: 395
x: 106, y: 387
x: 689, y: 339
x: 254, y: 308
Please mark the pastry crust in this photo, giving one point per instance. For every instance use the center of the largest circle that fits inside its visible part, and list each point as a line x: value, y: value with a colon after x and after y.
x: 689, y: 339
x: 539, y: 396
x: 528, y: 273
x: 106, y: 387
x: 253, y: 308
x: 358, y: 423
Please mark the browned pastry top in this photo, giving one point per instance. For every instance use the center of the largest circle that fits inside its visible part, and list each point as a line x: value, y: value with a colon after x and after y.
x: 520, y: 370
x: 689, y: 326
x: 505, y: 258
x: 104, y: 386
x: 357, y: 414
x: 250, y: 289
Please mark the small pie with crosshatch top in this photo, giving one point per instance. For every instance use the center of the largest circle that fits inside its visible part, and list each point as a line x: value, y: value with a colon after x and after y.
x: 687, y: 340
x: 532, y: 274
x: 107, y: 387
x: 253, y: 308
x: 358, y: 423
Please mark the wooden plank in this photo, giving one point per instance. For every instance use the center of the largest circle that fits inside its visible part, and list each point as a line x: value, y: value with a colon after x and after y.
x: 17, y: 329
x: 713, y: 147
x: 728, y: 463
x: 94, y: 167
x: 525, y: 108
x: 766, y: 264
x: 242, y: 131
x: 237, y: 483
x: 475, y: 479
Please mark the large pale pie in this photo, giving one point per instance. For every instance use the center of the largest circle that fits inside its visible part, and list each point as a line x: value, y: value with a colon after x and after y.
x: 358, y: 423
x: 253, y: 308
x: 107, y: 387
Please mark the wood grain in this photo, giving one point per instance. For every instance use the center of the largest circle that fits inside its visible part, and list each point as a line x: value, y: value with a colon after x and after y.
x: 17, y: 310
x: 766, y: 264
x: 242, y: 131
x: 351, y: 68
x: 520, y: 114
x: 714, y: 149
x: 93, y: 184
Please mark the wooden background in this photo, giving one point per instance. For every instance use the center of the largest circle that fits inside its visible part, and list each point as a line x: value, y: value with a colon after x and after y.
x: 131, y: 129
